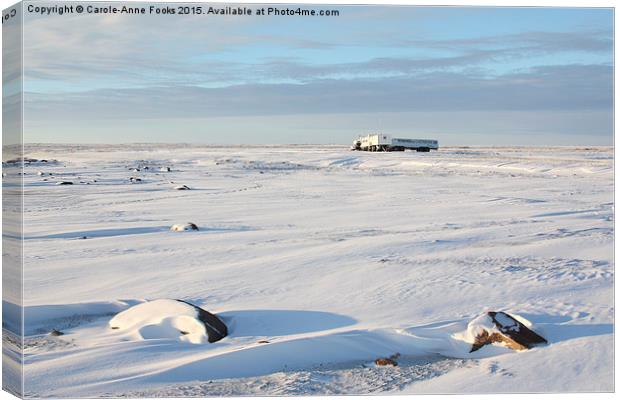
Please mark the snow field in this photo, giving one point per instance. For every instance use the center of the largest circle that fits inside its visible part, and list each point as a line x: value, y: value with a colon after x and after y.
x: 328, y: 258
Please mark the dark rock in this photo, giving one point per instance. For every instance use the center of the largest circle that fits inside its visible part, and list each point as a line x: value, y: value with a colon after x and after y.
x: 391, y: 360
x: 189, y: 226
x: 383, y: 362
x: 55, y: 332
x: 513, y: 333
x: 216, y: 329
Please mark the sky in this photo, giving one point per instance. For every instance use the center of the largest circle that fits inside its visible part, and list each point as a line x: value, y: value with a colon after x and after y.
x: 462, y: 75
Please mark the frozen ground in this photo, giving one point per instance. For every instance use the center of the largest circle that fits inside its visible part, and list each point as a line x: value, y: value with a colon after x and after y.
x: 331, y: 257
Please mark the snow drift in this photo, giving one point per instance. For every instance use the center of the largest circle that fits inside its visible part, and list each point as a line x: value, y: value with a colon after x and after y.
x: 170, y: 319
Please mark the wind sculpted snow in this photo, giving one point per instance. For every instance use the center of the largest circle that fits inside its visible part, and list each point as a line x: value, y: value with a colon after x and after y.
x: 319, y: 260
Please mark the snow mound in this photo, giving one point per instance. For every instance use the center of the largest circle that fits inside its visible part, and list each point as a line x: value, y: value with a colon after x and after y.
x: 169, y: 319
x: 188, y: 226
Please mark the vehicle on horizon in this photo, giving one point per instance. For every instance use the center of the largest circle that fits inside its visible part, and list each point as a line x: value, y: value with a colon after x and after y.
x: 383, y: 142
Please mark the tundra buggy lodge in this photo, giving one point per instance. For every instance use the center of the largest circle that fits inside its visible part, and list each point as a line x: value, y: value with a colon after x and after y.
x: 381, y: 142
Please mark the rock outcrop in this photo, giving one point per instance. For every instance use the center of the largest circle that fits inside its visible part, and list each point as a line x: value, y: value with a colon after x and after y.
x: 505, y: 329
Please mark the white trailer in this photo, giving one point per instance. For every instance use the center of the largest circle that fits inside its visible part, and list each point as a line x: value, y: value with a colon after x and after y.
x: 374, y: 142
x: 382, y: 142
x: 399, y: 144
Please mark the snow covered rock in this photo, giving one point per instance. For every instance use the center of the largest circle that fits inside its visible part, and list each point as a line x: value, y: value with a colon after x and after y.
x: 500, y: 327
x: 189, y: 226
x: 64, y: 183
x: 164, y: 169
x: 170, y: 319
x: 182, y: 187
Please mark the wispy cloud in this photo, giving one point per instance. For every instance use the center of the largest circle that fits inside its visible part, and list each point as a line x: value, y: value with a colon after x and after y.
x: 543, y: 88
x: 118, y: 52
x: 527, y: 42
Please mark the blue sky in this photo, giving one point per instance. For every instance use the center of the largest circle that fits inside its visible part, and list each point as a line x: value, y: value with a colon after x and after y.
x: 463, y: 75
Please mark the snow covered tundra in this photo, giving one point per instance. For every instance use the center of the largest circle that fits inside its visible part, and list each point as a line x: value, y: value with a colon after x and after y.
x: 319, y: 261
